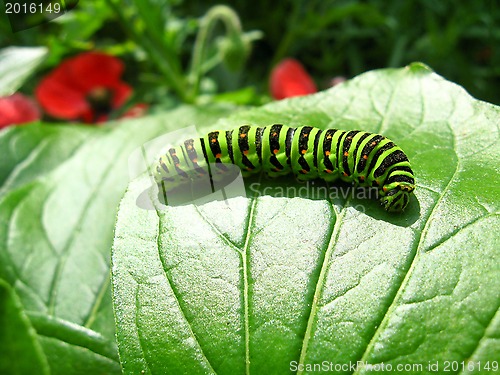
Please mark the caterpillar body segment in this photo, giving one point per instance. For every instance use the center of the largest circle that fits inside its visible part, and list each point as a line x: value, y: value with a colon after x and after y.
x: 358, y: 157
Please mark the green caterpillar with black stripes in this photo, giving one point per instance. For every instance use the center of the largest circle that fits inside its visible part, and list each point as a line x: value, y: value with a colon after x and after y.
x: 358, y: 157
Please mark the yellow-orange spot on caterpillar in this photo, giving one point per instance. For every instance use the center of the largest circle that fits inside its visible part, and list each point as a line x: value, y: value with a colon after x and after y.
x: 306, y: 134
x: 177, y: 164
x: 362, y: 178
x: 243, y: 135
x: 275, y: 151
x: 189, y: 147
x: 374, y: 143
x: 303, y: 171
x: 328, y: 171
x: 327, y: 153
x: 213, y: 140
x: 218, y: 156
x: 365, y: 157
x: 195, y: 160
x: 276, y: 169
x: 245, y: 152
x: 345, y: 174
x: 328, y: 137
x: 303, y: 152
x: 274, y: 134
x: 249, y: 169
x: 384, y: 189
x: 346, y: 153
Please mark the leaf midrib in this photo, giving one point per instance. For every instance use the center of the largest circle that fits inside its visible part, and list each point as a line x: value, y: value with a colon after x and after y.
x: 246, y: 297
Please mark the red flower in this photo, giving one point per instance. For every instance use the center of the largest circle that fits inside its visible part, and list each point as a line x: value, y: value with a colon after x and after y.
x: 86, y: 87
x: 289, y: 78
x: 17, y: 109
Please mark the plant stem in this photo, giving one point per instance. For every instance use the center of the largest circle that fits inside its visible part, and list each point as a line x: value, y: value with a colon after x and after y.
x: 233, y: 26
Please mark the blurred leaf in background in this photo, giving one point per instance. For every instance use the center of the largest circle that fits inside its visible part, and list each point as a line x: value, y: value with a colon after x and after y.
x: 16, y: 65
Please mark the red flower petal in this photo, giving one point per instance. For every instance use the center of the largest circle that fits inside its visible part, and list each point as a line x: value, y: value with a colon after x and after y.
x: 17, y: 109
x: 64, y: 93
x: 59, y: 99
x: 289, y: 78
x: 94, y: 69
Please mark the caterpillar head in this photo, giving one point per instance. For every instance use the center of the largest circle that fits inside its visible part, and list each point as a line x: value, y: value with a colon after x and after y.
x: 395, y: 196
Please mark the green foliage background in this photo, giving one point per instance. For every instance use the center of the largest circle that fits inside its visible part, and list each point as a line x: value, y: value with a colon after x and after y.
x: 333, y: 37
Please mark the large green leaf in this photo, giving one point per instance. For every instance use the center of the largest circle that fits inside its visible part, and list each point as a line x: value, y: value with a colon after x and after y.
x: 278, y: 282
x: 59, y: 192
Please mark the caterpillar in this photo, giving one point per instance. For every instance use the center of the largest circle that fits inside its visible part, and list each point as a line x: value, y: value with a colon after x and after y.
x: 358, y: 157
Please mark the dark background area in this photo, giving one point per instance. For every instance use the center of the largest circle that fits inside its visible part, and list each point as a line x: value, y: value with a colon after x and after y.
x: 459, y: 40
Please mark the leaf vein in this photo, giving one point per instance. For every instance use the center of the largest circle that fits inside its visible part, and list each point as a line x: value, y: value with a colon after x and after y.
x: 320, y: 283
x: 61, y: 261
x: 484, y: 336
x: 175, y: 293
x: 413, y: 262
x: 221, y: 235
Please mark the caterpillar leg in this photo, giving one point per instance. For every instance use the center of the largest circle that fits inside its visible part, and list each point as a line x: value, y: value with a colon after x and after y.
x: 396, y: 197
